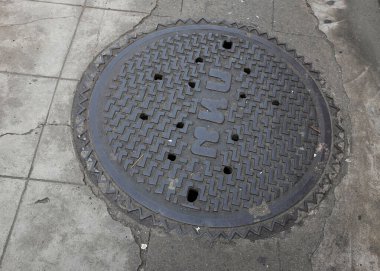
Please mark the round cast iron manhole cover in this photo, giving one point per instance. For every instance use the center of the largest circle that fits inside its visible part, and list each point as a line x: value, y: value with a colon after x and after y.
x: 209, y: 128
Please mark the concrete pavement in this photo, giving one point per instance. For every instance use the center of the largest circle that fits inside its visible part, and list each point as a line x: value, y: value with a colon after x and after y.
x: 51, y: 220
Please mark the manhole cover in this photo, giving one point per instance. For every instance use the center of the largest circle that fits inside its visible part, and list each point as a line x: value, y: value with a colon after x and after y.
x: 204, y: 127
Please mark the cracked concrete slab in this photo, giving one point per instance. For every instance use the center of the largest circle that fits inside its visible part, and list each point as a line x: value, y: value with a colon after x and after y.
x: 288, y: 16
x: 35, y: 36
x: 127, y: 5
x: 96, y: 29
x: 10, y: 193
x: 64, y: 227
x: 24, y: 102
x: 55, y: 158
x: 68, y: 2
x: 167, y: 8
x: 17, y: 152
x: 253, y: 12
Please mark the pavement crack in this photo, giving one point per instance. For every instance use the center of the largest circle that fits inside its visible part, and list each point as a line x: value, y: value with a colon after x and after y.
x: 358, y: 76
x: 39, y: 126
x: 323, y: 230
x: 22, y: 134
x: 316, y: 19
x: 144, y: 253
x: 318, y: 245
x: 100, y: 26
x: 325, y: 37
x: 44, y: 200
x: 142, y: 239
x: 37, y: 20
x: 59, y: 124
x: 295, y: 34
x: 278, y: 255
x: 84, y: 177
x: 143, y: 19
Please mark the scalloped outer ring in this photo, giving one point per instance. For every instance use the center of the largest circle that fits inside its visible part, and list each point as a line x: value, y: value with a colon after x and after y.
x: 104, y: 187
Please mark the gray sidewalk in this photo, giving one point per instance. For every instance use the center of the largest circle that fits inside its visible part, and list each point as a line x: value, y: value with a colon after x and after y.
x: 49, y: 218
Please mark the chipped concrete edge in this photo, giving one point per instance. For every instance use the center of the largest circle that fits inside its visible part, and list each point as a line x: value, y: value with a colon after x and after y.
x: 343, y: 103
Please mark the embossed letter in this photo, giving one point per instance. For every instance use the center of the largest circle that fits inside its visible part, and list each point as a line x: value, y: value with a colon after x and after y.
x: 213, y: 114
x: 225, y: 77
x: 203, y: 135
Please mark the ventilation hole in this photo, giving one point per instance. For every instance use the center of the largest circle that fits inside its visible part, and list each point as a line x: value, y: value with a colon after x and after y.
x: 235, y: 137
x: 330, y: 3
x: 276, y: 103
x: 247, y: 70
x: 192, y: 84
x: 227, y: 170
x: 192, y: 195
x: 327, y: 21
x: 227, y: 44
x: 198, y: 60
x: 143, y: 116
x: 158, y: 76
x: 180, y: 125
x: 243, y: 95
x: 171, y: 156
